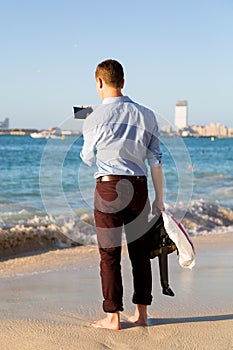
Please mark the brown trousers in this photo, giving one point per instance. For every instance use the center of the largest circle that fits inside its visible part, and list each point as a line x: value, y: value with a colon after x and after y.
x: 121, y: 204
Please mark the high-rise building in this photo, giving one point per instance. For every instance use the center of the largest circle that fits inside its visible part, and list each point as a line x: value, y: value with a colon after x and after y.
x: 181, y: 114
x: 4, y: 124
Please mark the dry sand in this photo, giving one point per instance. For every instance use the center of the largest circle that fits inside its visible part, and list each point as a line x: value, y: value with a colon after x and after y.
x: 48, y: 300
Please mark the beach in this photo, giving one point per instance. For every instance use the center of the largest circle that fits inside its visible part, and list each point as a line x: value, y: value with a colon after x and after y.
x: 49, y: 299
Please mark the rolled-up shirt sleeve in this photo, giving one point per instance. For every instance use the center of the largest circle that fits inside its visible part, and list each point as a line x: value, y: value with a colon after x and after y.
x: 154, y: 155
x: 88, y: 153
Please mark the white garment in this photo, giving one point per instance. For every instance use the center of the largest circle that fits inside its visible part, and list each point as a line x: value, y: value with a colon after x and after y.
x: 178, y: 234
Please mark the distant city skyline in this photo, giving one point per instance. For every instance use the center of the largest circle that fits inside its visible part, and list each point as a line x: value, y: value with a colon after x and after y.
x: 212, y: 130
x: 180, y: 50
x: 47, y: 124
x: 180, y: 120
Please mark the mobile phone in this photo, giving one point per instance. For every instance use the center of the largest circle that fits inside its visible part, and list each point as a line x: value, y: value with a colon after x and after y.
x: 80, y: 112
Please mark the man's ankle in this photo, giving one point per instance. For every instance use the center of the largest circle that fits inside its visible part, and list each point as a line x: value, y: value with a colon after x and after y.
x: 141, y: 311
x: 113, y: 316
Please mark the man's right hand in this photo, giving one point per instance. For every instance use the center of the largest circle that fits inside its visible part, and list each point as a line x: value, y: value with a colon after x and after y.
x: 157, y: 206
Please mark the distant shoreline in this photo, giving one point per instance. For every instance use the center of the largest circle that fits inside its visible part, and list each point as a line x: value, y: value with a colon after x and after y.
x: 17, y: 132
x: 27, y: 132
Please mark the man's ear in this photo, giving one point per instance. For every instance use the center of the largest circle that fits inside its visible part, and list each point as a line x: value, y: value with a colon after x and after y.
x: 123, y: 83
x: 99, y: 82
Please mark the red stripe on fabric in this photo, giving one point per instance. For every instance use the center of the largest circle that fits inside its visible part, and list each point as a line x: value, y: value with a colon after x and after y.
x: 181, y: 227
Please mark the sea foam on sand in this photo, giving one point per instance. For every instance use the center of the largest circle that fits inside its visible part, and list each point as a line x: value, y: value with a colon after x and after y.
x: 24, y: 232
x: 49, y: 300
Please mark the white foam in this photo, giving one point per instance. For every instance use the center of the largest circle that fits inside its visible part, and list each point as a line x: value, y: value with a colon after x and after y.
x: 21, y: 229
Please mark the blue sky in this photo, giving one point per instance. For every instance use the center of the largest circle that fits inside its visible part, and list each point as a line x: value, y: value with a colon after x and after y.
x: 170, y: 50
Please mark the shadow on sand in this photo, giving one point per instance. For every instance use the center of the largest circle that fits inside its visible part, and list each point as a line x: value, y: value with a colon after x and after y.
x: 166, y: 321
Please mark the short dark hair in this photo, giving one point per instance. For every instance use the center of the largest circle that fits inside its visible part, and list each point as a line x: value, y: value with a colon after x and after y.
x: 111, y: 72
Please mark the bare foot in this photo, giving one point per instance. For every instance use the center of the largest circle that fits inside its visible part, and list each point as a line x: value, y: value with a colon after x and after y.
x: 112, y: 321
x: 140, y: 316
x: 138, y: 321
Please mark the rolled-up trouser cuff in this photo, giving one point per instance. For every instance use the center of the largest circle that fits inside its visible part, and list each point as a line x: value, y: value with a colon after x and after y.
x: 142, y: 301
x: 110, y: 306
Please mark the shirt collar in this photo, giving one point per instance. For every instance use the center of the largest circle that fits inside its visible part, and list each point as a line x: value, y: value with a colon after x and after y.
x: 116, y: 99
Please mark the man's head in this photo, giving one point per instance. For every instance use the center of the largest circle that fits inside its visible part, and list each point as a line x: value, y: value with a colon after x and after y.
x: 109, y: 76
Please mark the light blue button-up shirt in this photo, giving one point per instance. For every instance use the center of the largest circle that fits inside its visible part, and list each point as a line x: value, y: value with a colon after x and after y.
x: 119, y: 135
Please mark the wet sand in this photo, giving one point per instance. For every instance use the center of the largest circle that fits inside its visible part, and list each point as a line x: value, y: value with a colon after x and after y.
x: 49, y: 300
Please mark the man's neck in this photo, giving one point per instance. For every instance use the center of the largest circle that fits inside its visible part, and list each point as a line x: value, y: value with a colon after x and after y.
x: 111, y: 92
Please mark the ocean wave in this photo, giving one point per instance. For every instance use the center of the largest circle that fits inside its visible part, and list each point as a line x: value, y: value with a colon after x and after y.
x: 25, y: 233
x: 46, y: 232
x: 201, y: 217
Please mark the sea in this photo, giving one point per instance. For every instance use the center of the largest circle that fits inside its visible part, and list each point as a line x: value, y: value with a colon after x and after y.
x: 47, y: 191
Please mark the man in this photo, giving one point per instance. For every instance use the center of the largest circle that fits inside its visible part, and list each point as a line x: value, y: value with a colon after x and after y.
x: 119, y: 136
